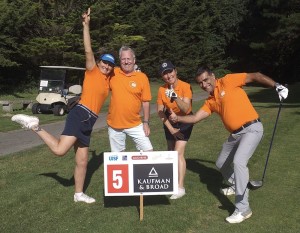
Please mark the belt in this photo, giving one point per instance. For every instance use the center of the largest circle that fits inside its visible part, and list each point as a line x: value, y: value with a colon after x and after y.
x: 245, y: 126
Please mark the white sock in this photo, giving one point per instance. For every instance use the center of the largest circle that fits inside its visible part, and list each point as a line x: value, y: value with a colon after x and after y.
x: 78, y: 194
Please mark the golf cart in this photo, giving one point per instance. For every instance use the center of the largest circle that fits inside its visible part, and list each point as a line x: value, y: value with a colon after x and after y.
x: 58, y: 86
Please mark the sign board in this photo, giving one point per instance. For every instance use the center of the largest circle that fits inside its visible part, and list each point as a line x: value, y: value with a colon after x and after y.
x: 140, y: 173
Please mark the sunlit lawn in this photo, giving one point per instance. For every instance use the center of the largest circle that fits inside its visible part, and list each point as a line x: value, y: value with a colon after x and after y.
x: 37, y: 188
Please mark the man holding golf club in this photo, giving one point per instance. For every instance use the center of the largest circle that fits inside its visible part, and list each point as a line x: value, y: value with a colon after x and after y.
x: 230, y: 101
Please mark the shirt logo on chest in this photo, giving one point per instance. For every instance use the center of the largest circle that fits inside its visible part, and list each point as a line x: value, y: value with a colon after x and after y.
x: 132, y: 84
x: 222, y: 94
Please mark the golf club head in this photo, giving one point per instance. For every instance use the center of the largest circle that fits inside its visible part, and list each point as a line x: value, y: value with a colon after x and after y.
x: 255, y: 184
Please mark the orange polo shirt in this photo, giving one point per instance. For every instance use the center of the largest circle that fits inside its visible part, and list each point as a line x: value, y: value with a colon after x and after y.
x: 231, y: 102
x: 128, y: 91
x: 182, y: 89
x: 95, y: 90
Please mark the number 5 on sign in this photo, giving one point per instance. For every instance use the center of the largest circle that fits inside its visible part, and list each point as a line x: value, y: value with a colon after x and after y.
x: 117, y: 178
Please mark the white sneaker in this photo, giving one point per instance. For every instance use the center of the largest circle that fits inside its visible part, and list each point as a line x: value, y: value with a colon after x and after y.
x: 26, y: 121
x: 84, y: 198
x: 238, y: 217
x: 181, y: 193
x: 228, y: 191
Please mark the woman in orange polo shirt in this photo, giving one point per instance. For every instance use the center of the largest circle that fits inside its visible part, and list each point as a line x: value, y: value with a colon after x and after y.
x: 175, y: 95
x: 82, y: 117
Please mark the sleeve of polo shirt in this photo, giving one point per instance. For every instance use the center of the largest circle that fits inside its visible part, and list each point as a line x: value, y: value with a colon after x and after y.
x: 188, y: 92
x: 159, y: 96
x: 205, y: 107
x: 235, y: 80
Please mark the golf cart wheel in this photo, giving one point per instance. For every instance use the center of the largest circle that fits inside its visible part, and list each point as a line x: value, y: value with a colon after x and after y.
x: 59, y: 110
x: 36, y: 108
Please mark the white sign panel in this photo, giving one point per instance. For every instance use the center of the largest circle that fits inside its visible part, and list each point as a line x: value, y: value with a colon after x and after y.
x: 44, y: 83
x: 140, y: 173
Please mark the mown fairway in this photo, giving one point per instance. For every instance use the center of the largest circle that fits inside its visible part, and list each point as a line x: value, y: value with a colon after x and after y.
x: 37, y: 188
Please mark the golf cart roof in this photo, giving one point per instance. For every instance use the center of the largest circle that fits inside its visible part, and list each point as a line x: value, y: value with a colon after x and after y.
x: 63, y: 67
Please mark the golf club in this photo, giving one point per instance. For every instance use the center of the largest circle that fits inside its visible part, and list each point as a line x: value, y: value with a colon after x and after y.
x: 172, y: 98
x: 256, y: 184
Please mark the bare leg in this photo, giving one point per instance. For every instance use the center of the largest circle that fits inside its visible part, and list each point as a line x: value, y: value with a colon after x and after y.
x: 81, y: 159
x: 58, y: 146
x: 180, y: 147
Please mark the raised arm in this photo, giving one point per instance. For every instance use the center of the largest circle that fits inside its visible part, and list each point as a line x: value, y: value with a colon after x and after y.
x: 89, y: 55
x: 267, y: 81
x: 183, y: 104
x: 175, y: 132
x: 260, y: 78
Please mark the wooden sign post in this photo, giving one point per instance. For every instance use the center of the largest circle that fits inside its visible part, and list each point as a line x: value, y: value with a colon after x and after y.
x: 141, y: 207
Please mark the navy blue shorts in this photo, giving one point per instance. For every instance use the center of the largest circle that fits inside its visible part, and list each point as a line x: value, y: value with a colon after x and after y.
x: 185, y: 129
x: 79, y: 123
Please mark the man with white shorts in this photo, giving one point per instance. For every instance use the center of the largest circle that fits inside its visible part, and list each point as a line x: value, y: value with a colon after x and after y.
x: 130, y: 90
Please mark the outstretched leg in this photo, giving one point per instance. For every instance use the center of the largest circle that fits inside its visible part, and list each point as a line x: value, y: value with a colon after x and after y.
x: 58, y: 146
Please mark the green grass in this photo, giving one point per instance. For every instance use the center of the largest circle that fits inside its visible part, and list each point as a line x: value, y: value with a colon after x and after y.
x: 36, y: 188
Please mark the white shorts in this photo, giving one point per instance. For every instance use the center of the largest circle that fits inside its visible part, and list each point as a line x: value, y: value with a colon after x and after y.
x: 117, y: 138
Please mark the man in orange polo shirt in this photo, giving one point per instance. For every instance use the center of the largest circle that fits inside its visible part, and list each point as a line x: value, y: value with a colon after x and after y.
x: 230, y: 101
x: 130, y: 91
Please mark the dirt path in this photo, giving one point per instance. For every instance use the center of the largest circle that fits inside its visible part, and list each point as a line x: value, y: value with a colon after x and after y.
x: 18, y: 140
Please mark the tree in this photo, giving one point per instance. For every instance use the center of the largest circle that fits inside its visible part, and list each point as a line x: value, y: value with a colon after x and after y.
x: 38, y: 33
x: 235, y: 35
x: 186, y: 32
x: 270, y: 39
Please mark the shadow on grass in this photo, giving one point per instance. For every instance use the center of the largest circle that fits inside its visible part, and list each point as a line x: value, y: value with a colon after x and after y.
x: 213, y: 180
x: 93, y: 164
x: 125, y: 201
x: 114, y: 202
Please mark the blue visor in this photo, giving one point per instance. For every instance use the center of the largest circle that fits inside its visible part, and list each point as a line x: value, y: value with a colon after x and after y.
x: 108, y: 57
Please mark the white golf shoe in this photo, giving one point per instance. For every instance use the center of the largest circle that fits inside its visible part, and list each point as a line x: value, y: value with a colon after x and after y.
x: 238, y: 217
x: 26, y: 121
x: 84, y: 198
x: 181, y: 193
x: 228, y: 191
